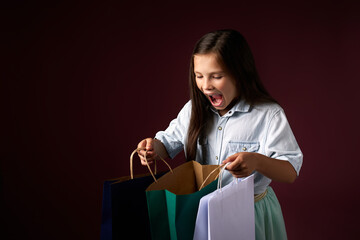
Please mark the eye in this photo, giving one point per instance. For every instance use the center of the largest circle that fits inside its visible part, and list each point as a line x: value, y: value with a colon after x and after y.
x: 199, y: 76
x: 217, y: 77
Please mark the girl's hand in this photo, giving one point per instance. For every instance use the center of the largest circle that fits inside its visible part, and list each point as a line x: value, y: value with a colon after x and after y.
x: 147, y: 144
x: 242, y: 164
x: 245, y: 163
x: 153, y: 149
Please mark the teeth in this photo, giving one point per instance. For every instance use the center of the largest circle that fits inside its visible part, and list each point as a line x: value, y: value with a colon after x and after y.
x: 216, y: 98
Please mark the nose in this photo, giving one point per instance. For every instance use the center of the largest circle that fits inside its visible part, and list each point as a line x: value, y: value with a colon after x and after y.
x: 207, y: 85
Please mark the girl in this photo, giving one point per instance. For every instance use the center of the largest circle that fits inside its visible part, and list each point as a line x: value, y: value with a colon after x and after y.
x: 232, y: 118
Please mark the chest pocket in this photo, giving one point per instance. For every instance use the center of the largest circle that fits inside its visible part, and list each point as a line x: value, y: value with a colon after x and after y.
x: 239, y: 146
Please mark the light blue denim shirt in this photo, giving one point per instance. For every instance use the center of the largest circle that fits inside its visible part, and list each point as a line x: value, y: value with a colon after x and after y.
x: 261, y: 128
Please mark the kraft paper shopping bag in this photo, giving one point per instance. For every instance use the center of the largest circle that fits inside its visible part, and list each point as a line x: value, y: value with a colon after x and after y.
x: 173, y: 200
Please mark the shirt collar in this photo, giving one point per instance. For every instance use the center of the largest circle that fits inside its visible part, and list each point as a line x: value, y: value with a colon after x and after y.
x: 241, y: 106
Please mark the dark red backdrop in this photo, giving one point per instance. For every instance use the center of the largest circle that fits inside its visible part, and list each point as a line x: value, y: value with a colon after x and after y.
x: 83, y: 83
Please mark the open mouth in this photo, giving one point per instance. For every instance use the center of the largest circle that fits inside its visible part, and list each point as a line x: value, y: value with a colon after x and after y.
x: 216, y: 99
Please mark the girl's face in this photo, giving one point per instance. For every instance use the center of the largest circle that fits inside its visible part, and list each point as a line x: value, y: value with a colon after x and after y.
x: 212, y: 79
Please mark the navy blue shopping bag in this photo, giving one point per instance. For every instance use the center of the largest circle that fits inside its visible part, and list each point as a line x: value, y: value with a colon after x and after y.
x: 124, y: 207
x: 124, y: 211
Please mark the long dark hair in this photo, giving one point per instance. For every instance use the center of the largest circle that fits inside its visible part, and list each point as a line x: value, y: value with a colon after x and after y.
x: 234, y: 53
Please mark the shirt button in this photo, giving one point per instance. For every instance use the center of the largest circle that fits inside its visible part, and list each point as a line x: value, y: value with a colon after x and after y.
x: 217, y: 157
x: 244, y: 148
x: 220, y: 128
x: 230, y: 112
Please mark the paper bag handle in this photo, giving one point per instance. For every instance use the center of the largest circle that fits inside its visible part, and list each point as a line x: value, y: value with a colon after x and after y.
x: 221, y: 174
x: 147, y: 164
x: 212, y: 172
x: 131, y: 162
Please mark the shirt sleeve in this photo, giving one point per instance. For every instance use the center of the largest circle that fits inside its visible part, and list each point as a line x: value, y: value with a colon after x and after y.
x: 281, y: 143
x: 174, y: 136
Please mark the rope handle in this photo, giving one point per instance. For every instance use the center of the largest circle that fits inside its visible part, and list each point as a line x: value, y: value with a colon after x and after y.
x: 131, y: 162
x: 147, y: 164
x: 222, y: 168
x: 211, y: 173
x: 221, y: 175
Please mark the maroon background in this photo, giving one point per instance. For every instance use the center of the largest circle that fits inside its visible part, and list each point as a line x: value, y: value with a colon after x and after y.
x: 83, y: 83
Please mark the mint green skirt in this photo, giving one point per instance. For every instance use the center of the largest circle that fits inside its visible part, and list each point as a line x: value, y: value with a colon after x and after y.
x: 269, y: 221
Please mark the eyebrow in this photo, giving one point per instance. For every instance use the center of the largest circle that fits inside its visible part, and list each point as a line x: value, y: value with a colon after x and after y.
x: 211, y: 73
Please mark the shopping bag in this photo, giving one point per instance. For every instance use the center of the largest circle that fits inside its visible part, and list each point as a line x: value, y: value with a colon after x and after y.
x: 124, y: 207
x: 173, y: 200
x: 227, y: 213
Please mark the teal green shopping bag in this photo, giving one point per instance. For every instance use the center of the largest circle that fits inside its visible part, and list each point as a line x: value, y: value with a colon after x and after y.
x: 173, y: 200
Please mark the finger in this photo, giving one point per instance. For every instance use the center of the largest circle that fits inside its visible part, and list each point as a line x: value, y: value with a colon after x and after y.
x: 149, y: 154
x: 235, y: 165
x: 145, y: 161
x: 142, y: 144
x: 240, y: 175
x: 146, y: 157
x: 149, y: 144
x: 230, y: 159
x: 239, y: 167
x: 237, y: 172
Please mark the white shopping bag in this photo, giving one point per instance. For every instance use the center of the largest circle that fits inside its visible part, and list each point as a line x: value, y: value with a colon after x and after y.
x: 227, y: 213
